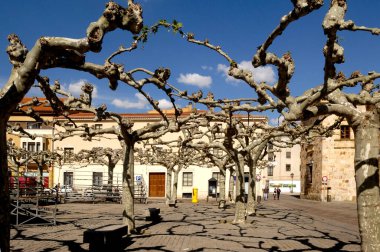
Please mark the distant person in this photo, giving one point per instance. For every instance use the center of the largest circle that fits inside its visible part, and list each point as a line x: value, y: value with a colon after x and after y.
x: 278, y: 191
x: 56, y: 189
x: 275, y: 193
x: 266, y: 192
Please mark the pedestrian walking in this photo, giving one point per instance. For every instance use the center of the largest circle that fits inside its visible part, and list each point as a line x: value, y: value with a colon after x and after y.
x: 278, y: 191
x: 275, y: 193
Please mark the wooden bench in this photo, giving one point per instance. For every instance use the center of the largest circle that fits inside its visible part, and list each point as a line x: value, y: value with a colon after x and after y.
x: 152, y: 214
x: 108, y: 238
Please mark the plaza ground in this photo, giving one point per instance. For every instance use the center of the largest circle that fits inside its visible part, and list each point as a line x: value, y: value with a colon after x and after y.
x: 288, y: 224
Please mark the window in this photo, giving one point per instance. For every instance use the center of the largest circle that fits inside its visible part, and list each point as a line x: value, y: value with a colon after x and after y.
x: 288, y: 167
x: 68, y: 155
x: 68, y: 178
x: 288, y: 154
x: 97, y: 178
x: 309, y: 173
x: 187, y: 195
x: 187, y: 178
x: 271, y: 156
x: 215, y: 175
x: 270, y: 170
x: 344, y: 132
x: 219, y: 131
x: 33, y: 125
x: 70, y: 125
x: 98, y: 126
x: 31, y: 147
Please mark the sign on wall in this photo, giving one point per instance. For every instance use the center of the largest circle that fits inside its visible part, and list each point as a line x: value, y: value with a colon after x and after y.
x: 324, y: 180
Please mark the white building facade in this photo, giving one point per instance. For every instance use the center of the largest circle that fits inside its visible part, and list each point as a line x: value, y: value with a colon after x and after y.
x: 82, y: 176
x: 283, y: 170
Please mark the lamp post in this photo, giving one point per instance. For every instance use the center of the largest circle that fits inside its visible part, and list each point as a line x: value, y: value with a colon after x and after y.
x: 292, y: 176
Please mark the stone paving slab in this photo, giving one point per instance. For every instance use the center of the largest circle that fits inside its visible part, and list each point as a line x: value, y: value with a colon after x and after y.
x: 286, y: 225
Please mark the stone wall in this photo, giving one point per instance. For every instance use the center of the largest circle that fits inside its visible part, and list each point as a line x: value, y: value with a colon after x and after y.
x: 338, y: 166
x: 333, y: 158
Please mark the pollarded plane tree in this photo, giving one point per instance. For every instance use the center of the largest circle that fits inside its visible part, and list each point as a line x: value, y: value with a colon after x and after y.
x: 125, y: 132
x: 43, y: 159
x: 253, y: 139
x: 17, y: 158
x: 104, y: 156
x: 20, y: 157
x: 60, y: 52
x: 57, y: 52
x: 216, y: 157
x: 359, y: 108
x: 245, y: 144
x: 175, y: 156
x: 212, y: 156
x: 243, y: 148
x: 225, y: 142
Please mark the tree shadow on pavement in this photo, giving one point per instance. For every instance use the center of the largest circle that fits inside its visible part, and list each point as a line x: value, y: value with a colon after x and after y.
x: 60, y: 237
x: 198, y: 228
x: 202, y: 227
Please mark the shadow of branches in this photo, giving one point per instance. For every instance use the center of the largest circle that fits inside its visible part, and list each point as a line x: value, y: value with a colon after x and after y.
x: 201, y: 227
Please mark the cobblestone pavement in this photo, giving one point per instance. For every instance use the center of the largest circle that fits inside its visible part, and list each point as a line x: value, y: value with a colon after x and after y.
x: 288, y: 224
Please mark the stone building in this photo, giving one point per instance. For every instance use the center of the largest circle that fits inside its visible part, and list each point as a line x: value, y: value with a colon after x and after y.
x: 327, y: 166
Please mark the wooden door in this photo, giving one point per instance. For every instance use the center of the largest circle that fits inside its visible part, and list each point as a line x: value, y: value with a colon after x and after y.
x: 157, y: 184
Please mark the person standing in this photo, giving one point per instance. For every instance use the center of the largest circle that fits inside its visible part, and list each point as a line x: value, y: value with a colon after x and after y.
x: 275, y: 193
x: 266, y: 192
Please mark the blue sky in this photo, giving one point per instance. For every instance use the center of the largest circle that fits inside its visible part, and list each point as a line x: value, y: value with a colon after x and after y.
x: 237, y: 26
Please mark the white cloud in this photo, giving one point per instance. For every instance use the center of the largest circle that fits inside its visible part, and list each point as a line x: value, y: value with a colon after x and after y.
x: 164, y: 104
x: 195, y: 80
x: 210, y: 68
x: 141, y: 103
x: 75, y: 88
x: 262, y: 73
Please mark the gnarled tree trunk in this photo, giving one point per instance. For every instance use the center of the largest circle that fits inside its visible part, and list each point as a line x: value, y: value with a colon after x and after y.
x: 168, y: 189
x: 367, y: 180
x: 175, y: 185
x: 251, y: 202
x: 231, y: 187
x: 240, y: 208
x: 110, y: 177
x: 40, y: 177
x: 128, y: 186
x: 253, y: 158
x: 222, y: 188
